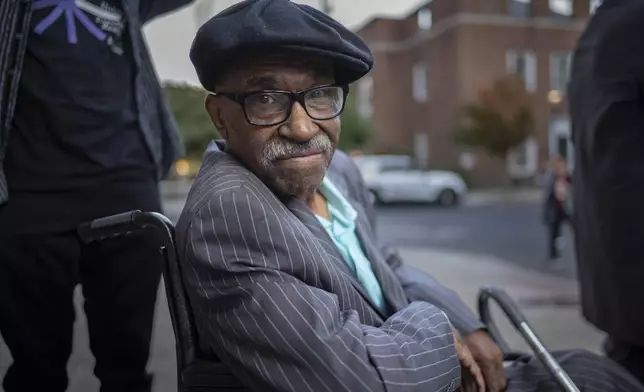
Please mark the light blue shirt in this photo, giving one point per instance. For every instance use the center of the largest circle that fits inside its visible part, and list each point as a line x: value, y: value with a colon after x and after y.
x: 341, y: 227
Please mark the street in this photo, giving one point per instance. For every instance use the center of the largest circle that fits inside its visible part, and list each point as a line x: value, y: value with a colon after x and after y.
x: 510, y: 231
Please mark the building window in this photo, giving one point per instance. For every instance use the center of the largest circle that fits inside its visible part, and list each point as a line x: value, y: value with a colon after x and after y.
x: 561, y: 7
x: 524, y: 64
x: 364, y: 97
x: 421, y: 149
x: 559, y: 140
x: 419, y: 82
x: 560, y: 63
x: 594, y: 4
x: 424, y: 19
x: 520, y: 8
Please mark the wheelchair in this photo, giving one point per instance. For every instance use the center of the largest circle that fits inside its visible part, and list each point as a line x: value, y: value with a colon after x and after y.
x: 198, y: 373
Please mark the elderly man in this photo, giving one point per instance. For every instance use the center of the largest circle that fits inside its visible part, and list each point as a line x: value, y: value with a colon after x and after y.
x: 289, y: 286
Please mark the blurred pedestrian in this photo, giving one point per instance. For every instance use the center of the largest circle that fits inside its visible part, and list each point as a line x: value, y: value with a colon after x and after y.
x: 84, y: 132
x: 606, y: 97
x: 557, y: 204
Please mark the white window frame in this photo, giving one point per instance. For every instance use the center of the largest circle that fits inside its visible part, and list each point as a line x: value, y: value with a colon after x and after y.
x: 364, y: 97
x: 554, y: 70
x: 424, y: 18
x: 530, y: 77
x: 561, y: 7
x: 419, y: 80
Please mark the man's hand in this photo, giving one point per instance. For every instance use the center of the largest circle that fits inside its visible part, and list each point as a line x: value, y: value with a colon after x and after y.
x: 489, y: 358
x: 472, y: 378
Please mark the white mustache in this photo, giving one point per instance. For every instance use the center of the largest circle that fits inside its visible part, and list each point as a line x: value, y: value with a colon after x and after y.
x: 284, y: 149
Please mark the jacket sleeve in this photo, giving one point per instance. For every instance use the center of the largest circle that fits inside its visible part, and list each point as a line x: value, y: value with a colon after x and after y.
x: 278, y: 334
x: 420, y: 286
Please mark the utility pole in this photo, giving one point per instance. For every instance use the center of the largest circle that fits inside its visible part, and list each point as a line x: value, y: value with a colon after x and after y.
x: 326, y: 6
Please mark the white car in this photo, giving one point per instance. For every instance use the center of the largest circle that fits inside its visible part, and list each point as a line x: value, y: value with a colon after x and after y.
x: 393, y: 179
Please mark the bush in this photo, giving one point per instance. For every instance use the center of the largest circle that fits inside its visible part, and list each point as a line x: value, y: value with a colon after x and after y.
x: 187, y: 103
x: 356, y: 130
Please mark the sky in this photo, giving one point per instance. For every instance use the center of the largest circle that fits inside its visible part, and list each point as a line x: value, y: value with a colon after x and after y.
x: 170, y: 37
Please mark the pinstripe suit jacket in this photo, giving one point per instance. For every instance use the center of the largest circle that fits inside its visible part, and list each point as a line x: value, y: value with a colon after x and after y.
x: 274, y: 300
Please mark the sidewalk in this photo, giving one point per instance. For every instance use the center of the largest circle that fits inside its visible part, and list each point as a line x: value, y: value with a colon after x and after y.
x: 559, y: 327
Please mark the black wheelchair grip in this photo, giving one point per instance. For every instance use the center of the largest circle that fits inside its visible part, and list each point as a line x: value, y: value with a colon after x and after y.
x: 108, y: 227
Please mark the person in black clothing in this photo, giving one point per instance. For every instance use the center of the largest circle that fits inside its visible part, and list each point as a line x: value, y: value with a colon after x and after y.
x: 86, y: 133
x: 557, y: 204
x: 606, y: 100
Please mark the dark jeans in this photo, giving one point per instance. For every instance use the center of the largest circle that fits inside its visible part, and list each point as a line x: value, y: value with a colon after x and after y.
x: 629, y: 356
x: 555, y: 223
x: 38, y: 274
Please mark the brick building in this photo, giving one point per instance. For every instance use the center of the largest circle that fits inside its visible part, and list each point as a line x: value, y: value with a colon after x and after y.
x: 431, y: 62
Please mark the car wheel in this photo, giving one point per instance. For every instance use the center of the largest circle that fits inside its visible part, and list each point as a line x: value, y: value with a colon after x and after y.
x: 447, y: 198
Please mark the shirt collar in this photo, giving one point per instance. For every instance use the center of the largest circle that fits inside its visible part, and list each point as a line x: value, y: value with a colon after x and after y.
x: 339, y: 207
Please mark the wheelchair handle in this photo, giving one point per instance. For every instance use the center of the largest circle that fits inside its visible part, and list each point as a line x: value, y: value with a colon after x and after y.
x: 121, y: 224
x: 520, y: 322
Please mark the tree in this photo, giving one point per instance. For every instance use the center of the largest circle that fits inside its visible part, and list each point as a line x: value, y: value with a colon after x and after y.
x: 187, y: 103
x: 500, y: 120
x: 356, y: 129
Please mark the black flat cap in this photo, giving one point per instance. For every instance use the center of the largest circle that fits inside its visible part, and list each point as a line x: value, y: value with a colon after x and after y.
x: 251, y: 26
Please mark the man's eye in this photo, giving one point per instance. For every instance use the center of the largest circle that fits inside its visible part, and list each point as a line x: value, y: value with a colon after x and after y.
x: 318, y: 93
x: 266, y: 99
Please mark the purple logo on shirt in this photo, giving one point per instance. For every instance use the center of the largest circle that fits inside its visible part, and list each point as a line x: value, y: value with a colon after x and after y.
x: 72, y: 12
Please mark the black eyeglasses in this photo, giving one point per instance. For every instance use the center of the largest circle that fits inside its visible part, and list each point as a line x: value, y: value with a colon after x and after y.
x: 272, y: 107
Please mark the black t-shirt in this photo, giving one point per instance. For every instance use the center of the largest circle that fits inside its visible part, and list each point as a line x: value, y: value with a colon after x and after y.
x: 76, y: 151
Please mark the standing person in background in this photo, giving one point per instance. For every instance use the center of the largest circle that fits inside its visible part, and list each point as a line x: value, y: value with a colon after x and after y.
x: 85, y: 132
x: 607, y: 110
x: 557, y: 208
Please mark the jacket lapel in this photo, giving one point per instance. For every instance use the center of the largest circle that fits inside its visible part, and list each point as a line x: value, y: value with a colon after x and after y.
x: 391, y: 288
x: 306, y: 216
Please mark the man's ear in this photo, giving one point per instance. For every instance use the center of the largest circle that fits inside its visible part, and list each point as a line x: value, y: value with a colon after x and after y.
x: 213, y: 108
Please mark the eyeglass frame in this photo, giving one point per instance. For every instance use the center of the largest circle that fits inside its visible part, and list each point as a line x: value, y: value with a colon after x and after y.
x: 240, y: 98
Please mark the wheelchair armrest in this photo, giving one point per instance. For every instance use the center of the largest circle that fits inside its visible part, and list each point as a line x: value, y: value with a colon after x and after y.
x: 206, y: 376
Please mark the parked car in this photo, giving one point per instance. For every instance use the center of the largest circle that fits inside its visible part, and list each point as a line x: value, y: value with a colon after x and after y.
x: 395, y: 179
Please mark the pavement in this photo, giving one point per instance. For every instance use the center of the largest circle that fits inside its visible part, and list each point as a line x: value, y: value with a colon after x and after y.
x: 549, y: 302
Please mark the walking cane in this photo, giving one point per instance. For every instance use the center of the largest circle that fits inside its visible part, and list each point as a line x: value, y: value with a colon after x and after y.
x: 519, y: 321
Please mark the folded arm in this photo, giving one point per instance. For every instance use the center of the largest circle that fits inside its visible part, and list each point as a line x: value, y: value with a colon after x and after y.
x: 279, y: 334
x: 420, y: 286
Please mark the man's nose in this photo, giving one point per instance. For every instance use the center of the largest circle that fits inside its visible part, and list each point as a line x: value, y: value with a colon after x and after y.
x: 299, y: 127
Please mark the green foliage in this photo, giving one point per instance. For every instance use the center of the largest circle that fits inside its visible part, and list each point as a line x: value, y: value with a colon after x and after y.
x: 499, y: 121
x: 356, y: 130
x: 187, y: 103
